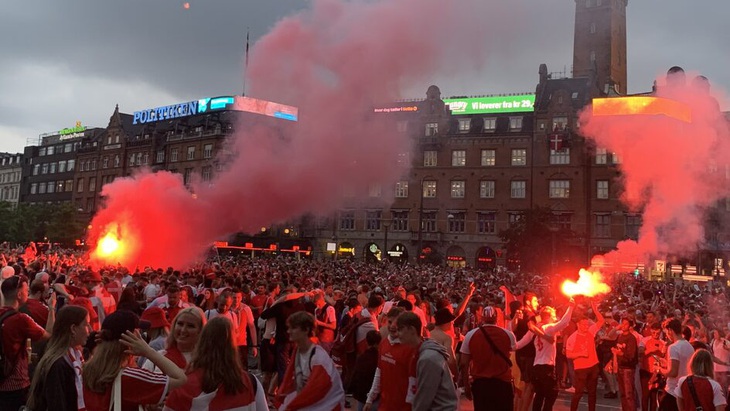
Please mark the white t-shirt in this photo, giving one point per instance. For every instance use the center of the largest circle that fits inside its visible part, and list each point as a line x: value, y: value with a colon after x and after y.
x: 718, y: 398
x: 718, y: 348
x: 151, y: 291
x: 682, y: 351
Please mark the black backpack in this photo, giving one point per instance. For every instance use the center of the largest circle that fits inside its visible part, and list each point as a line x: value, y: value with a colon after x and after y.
x: 6, y: 365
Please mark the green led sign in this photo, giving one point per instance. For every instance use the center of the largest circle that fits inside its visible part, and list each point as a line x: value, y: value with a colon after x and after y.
x: 497, y: 104
x: 73, y: 130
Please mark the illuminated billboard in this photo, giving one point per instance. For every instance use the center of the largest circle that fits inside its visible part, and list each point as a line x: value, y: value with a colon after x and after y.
x: 267, y: 108
x: 496, y: 104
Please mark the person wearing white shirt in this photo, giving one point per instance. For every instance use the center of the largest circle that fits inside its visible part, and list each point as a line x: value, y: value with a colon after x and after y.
x: 544, y: 379
x: 675, y: 363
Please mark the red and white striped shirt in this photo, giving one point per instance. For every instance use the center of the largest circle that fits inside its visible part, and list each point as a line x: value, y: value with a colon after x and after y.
x: 139, y: 387
x: 191, y: 397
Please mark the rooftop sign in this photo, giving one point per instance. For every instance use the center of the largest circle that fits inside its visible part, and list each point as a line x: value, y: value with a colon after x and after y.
x: 204, y: 105
x: 489, y: 105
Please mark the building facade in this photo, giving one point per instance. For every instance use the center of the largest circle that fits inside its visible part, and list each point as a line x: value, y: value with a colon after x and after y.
x: 10, y: 177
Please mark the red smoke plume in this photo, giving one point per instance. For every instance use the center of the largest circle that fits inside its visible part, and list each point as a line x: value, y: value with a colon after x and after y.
x: 671, y: 170
x: 335, y: 62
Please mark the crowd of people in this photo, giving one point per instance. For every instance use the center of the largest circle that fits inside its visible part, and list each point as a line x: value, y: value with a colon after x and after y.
x: 289, y: 334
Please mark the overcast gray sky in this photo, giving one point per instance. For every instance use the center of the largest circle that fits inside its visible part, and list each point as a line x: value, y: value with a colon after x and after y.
x: 73, y: 60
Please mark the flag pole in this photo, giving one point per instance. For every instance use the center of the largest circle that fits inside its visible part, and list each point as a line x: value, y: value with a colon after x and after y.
x: 245, y: 64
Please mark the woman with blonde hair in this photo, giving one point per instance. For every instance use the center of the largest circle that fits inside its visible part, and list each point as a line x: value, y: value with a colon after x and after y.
x: 57, y: 379
x: 216, y: 377
x: 111, y: 368
x: 699, y: 389
x: 183, y: 337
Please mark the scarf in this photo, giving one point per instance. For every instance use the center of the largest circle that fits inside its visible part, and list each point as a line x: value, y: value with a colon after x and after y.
x: 76, y: 360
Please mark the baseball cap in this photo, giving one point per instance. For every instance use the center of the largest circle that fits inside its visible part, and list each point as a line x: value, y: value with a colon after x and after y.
x: 119, y: 322
x: 489, y: 312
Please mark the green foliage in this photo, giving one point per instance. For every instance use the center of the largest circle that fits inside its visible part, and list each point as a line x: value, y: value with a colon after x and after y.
x: 536, y: 243
x: 58, y: 223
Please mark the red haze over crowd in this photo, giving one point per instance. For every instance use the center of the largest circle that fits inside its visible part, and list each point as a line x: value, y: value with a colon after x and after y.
x: 672, y: 171
x: 335, y: 62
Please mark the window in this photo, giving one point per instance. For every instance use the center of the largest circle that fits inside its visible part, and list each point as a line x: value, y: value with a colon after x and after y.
x: 207, y: 173
x: 430, y: 158
x: 68, y: 148
x: 486, y: 189
x: 489, y: 158
x: 92, y: 184
x: 347, y: 220
x: 187, y: 175
x: 615, y: 158
x: 51, y: 150
x: 456, y: 222
x: 487, y: 223
x: 603, y: 226
x: 375, y: 190
x: 90, y: 204
x: 490, y: 124
x: 401, y: 126
x: 560, y: 123
x: 519, y: 157
x: 36, y: 169
x: 601, y: 156
x: 117, y: 161
x: 593, y: 28
x: 429, y: 189
x: 559, y: 188
x: 561, y: 156
x: 71, y: 164
x: 105, y: 162
x: 33, y: 188
x: 130, y: 162
x: 518, y: 189
x: 146, y: 158
x: 61, y: 186
x: 429, y: 222
x: 160, y: 156
x: 42, y: 151
x: 372, y: 220
x: 602, y: 189
x: 514, y: 218
x: 401, y: 189
x: 42, y: 188
x: 432, y: 129
x: 458, y: 158
x: 633, y: 224
x: 44, y: 168
x: 173, y: 154
x: 400, y: 221
x: 208, y: 151
x: 51, y: 187
x: 561, y: 221
x: 593, y: 56
x: 93, y: 165
x: 464, y: 125
x: 457, y: 189
x: 191, y: 153
x: 52, y: 168
x: 61, y: 166
x: 515, y: 123
x: 80, y: 185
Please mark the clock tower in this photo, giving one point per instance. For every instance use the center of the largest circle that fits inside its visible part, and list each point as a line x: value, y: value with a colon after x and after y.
x: 600, y: 43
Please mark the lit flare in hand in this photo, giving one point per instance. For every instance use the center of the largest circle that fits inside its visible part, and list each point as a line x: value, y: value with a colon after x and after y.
x: 113, y: 247
x: 589, y: 284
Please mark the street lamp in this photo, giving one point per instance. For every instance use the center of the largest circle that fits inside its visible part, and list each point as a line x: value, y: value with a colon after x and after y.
x: 386, y: 224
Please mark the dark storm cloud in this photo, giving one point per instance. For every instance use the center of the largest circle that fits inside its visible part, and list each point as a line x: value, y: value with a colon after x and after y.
x: 71, y: 60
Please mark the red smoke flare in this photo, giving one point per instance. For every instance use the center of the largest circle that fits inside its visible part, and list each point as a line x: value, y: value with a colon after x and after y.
x: 671, y: 170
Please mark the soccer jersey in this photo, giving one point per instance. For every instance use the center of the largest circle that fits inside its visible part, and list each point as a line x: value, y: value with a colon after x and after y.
x: 321, y: 384
x: 191, y: 396
x: 139, y: 387
x: 393, y: 362
x: 485, y: 363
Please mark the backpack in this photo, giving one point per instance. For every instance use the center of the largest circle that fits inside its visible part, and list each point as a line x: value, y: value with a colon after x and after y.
x: 6, y: 366
x: 345, y: 347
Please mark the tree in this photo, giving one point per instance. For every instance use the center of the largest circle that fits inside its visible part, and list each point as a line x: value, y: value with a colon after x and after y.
x: 534, y: 240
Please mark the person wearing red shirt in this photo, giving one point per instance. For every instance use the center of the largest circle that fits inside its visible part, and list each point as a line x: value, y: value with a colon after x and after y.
x: 17, y: 328
x: 491, y: 370
x: 581, y: 348
x: 35, y: 307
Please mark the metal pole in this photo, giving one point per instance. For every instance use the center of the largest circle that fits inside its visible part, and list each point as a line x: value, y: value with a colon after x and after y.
x: 385, y: 256
x: 420, y: 227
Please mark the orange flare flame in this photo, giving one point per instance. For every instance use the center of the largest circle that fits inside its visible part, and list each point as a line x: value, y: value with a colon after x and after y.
x: 113, y: 247
x: 589, y: 284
